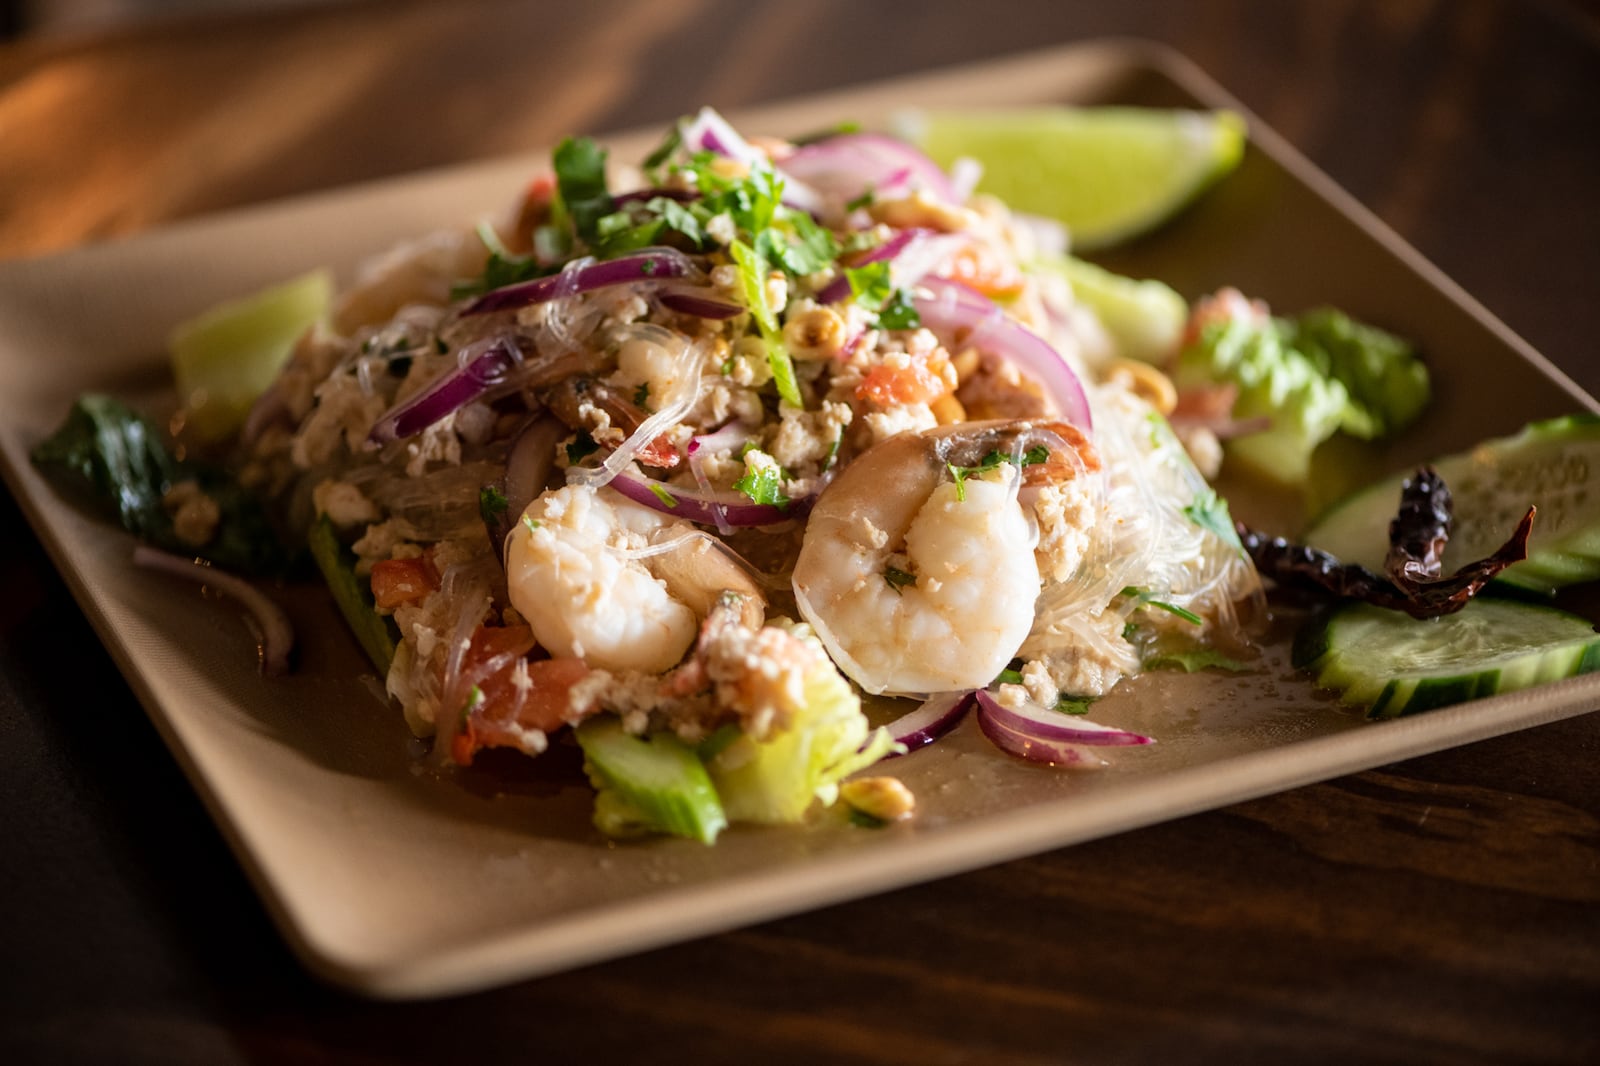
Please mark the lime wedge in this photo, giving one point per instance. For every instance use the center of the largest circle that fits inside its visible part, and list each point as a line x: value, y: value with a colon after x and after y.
x: 224, y: 358
x: 1144, y: 318
x: 1107, y: 173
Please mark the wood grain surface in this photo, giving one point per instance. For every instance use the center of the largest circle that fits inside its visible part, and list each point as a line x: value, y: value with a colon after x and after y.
x: 1446, y: 909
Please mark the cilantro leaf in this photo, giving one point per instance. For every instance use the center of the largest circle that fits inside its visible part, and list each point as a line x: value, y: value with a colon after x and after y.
x: 580, y: 166
x: 581, y: 447
x: 898, y: 579
x: 1210, y: 512
x: 492, y: 504
x: 898, y: 312
x: 763, y: 483
x: 869, y: 284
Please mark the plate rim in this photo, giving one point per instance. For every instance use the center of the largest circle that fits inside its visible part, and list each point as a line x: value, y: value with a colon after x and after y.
x: 613, y: 929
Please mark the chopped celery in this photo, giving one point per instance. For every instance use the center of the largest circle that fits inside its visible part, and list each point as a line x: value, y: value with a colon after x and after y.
x: 649, y: 784
x: 352, y: 595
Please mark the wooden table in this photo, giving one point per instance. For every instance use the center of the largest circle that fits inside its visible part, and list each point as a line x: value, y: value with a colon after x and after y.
x: 1443, y: 909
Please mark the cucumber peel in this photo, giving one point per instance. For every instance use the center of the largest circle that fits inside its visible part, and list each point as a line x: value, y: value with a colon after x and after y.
x: 1553, y: 465
x: 1395, y: 665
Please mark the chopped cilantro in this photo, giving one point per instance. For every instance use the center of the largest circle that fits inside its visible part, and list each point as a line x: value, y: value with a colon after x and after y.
x: 869, y: 284
x: 475, y: 699
x: 827, y: 132
x: 1011, y: 675
x: 492, y: 504
x: 667, y: 148
x: 641, y: 395
x: 580, y: 166
x: 531, y: 522
x: 899, y: 312
x: 897, y: 578
x: 1074, y: 704
x: 1172, y: 608
x: 763, y: 483
x: 502, y: 268
x: 1036, y: 454
x: 581, y: 447
x: 1210, y: 512
x: 864, y: 200
x: 1146, y: 598
x: 663, y: 494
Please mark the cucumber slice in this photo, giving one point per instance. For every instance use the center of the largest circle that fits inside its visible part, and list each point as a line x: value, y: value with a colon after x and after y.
x: 649, y: 784
x: 1554, y: 465
x: 1394, y: 664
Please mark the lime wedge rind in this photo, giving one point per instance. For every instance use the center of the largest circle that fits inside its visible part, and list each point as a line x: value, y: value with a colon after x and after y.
x: 1108, y: 174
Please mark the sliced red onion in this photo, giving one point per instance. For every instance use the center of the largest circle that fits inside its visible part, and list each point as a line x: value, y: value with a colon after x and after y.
x: 651, y: 264
x: 725, y: 439
x: 1024, y: 746
x: 951, y: 307
x: 1044, y: 723
x: 706, y: 508
x: 699, y: 304
x: 848, y: 165
x: 839, y: 288
x: 710, y: 132
x: 936, y: 717
x: 267, y: 618
x: 482, y: 365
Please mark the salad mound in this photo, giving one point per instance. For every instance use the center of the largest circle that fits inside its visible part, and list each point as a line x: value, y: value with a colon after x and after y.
x: 685, y: 461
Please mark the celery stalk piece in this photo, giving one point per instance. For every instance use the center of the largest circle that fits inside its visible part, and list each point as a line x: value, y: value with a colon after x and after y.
x: 351, y: 595
x: 649, y: 784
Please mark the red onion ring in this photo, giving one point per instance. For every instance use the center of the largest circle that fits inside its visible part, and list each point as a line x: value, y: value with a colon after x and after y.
x: 1044, y: 724
x: 272, y: 626
x: 847, y: 165
x: 933, y: 719
x: 1054, y: 752
x: 710, y: 132
x: 482, y: 366
x: 694, y: 505
x: 839, y: 288
x: 949, y: 307
x: 651, y: 264
x: 699, y: 304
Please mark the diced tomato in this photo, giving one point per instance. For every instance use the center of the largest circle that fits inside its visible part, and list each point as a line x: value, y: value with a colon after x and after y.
x: 532, y: 212
x: 659, y: 453
x: 911, y: 382
x: 398, y: 581
x: 979, y: 267
x: 501, y: 712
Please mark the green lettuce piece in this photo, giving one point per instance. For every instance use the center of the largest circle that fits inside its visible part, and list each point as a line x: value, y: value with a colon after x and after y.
x: 1312, y: 376
x: 776, y: 780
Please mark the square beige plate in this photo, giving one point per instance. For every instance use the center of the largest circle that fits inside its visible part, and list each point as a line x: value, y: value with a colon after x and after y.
x: 396, y: 882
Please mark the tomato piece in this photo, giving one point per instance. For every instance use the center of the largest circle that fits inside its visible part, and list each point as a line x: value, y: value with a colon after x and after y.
x: 400, y: 581
x: 979, y: 267
x: 502, y: 713
x: 914, y: 381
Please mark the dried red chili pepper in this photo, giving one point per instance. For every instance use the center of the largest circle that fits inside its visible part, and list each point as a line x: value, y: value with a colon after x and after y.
x: 1417, y: 538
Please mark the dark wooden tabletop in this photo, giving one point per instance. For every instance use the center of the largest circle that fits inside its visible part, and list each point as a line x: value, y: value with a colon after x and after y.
x: 1446, y: 909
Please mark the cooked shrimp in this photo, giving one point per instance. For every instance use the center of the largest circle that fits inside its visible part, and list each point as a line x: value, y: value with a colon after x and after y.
x: 919, y: 578
x: 606, y: 580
